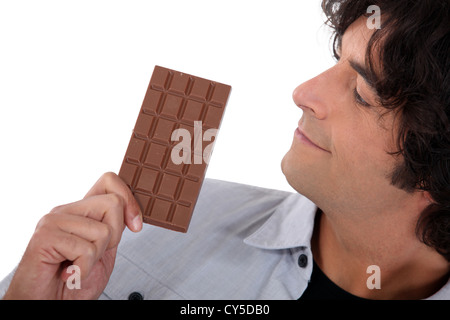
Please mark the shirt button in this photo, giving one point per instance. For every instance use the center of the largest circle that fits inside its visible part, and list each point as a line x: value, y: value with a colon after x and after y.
x: 303, y: 260
x: 135, y: 296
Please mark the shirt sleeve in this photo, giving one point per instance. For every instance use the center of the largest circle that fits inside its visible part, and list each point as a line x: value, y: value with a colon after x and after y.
x: 4, y: 284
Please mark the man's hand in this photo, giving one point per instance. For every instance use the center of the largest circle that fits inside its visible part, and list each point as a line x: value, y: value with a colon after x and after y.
x: 83, y: 233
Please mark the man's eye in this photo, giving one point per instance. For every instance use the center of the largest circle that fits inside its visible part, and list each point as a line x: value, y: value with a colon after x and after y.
x: 359, y: 100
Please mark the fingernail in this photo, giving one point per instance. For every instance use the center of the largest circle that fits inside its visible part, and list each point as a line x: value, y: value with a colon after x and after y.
x: 137, y: 223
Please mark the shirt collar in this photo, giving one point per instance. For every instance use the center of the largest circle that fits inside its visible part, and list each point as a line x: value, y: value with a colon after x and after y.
x: 290, y: 226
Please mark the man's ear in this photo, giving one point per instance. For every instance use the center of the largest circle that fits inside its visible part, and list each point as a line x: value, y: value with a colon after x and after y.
x: 427, y: 198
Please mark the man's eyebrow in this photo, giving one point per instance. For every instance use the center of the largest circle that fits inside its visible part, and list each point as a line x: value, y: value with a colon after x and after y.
x: 362, y: 71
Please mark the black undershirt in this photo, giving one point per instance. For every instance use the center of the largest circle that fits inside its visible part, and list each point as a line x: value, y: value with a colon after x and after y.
x: 321, y: 287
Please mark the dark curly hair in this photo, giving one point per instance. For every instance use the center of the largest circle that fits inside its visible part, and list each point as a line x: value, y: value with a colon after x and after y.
x: 412, y: 49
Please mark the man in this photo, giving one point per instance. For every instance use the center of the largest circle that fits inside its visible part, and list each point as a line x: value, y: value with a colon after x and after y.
x: 370, y: 162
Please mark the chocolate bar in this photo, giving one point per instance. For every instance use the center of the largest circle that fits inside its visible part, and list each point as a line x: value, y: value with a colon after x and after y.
x: 169, y: 150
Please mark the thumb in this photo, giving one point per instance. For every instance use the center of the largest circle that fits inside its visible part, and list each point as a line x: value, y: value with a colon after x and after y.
x: 112, y: 183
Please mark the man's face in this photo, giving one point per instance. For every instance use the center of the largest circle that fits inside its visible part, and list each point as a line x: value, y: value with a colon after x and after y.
x: 338, y: 157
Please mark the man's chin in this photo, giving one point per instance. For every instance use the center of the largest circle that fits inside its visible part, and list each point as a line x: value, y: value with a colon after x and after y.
x: 288, y: 171
x: 296, y: 176
x: 284, y: 164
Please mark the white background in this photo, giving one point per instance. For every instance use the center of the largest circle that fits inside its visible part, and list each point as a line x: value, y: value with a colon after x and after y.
x: 73, y: 75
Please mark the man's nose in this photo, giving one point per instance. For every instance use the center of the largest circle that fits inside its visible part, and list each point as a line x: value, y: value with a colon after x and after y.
x: 315, y: 96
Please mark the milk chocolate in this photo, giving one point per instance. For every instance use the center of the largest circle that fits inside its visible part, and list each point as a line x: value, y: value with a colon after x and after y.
x: 169, y: 150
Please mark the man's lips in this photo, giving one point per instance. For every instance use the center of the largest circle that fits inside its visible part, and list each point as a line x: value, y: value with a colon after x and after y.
x: 300, y: 134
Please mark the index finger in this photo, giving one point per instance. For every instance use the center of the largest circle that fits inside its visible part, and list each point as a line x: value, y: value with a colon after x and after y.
x: 111, y: 183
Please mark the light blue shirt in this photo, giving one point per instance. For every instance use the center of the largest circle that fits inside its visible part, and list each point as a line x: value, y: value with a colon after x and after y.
x: 244, y: 242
